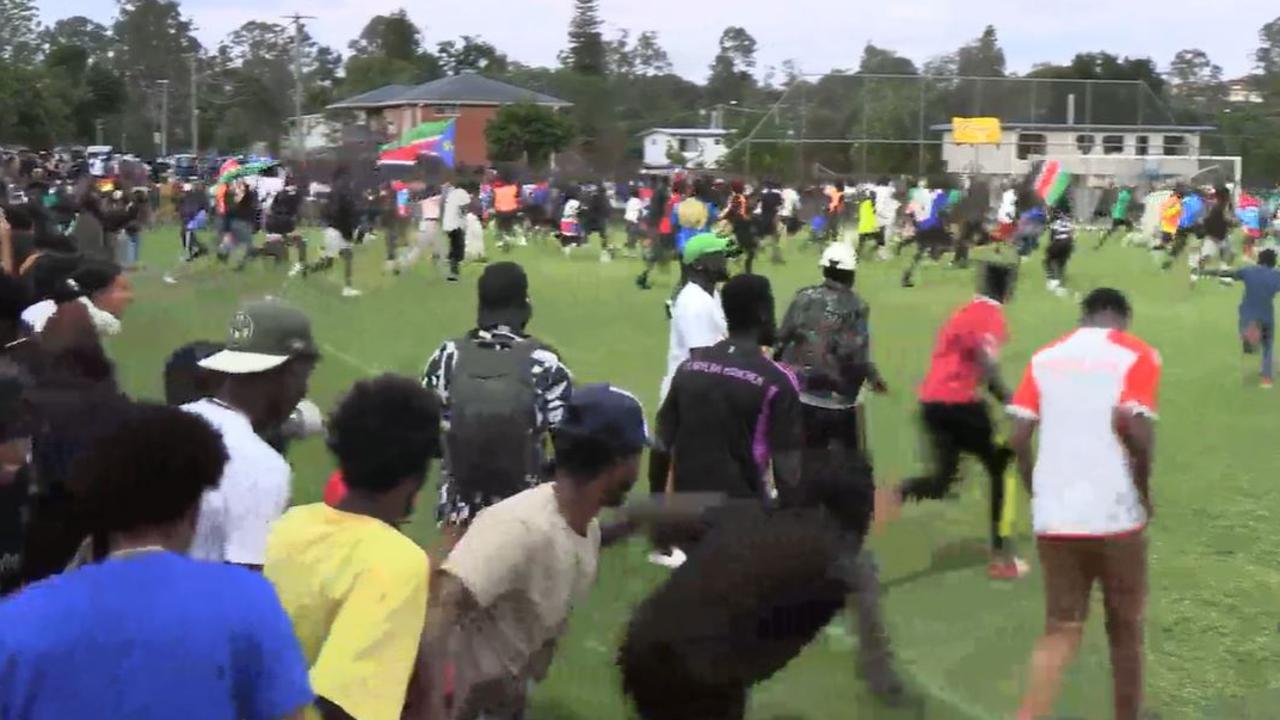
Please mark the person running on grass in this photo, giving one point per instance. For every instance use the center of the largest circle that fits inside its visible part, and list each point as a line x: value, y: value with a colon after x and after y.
x: 1092, y: 396
x: 1217, y: 225
x: 731, y: 421
x: 502, y: 391
x: 341, y: 219
x: 826, y: 341
x: 1257, y: 308
x: 956, y: 420
x: 266, y: 367
x: 353, y: 585
x: 148, y: 633
x: 1061, y: 246
x: 697, y: 321
x: 501, y: 602
x: 662, y: 241
x: 1119, y: 215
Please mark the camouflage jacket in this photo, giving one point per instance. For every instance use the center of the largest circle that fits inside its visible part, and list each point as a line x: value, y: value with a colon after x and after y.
x: 826, y: 340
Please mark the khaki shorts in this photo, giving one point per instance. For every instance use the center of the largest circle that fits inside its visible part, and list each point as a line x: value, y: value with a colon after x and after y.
x: 1071, y: 566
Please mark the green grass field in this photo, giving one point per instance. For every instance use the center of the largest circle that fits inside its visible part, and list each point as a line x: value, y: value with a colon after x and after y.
x: 1213, y: 638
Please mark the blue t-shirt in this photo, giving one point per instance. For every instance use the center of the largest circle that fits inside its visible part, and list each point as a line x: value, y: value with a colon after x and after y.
x: 153, y: 636
x: 1260, y: 287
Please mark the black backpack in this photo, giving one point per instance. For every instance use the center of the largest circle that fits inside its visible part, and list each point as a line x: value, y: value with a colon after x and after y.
x: 490, y: 445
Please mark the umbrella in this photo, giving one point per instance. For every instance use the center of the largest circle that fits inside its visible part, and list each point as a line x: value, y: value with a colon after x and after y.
x: 243, y: 171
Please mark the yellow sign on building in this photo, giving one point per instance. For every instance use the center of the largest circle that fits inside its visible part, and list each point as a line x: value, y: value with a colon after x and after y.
x: 976, y: 130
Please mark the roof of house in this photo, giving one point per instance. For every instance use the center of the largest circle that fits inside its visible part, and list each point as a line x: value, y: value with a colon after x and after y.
x: 464, y: 89
x: 688, y: 132
x: 944, y: 127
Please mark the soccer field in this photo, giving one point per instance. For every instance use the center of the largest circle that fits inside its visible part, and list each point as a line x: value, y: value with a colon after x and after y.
x: 1213, y: 634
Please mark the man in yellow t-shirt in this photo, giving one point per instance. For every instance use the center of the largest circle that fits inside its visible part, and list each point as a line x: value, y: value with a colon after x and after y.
x: 354, y: 587
x: 1170, y: 215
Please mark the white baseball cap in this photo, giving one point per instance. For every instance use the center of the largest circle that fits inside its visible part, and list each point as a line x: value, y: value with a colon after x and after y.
x: 839, y: 256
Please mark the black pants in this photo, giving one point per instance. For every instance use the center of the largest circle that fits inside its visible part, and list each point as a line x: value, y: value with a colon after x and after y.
x: 953, y: 429
x: 1055, y: 259
x: 933, y: 241
x: 457, y: 248
x: 972, y: 232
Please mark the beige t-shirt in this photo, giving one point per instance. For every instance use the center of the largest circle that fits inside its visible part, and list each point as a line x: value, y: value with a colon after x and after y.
x: 526, y: 569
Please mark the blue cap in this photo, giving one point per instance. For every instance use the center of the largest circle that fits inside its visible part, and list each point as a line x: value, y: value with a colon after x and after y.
x: 606, y: 413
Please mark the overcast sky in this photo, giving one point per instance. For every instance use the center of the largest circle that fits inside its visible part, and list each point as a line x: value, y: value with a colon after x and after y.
x: 818, y: 34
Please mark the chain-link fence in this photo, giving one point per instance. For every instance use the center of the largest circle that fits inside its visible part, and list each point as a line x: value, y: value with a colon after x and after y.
x: 871, y: 124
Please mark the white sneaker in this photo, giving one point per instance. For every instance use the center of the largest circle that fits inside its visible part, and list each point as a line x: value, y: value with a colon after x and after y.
x: 606, y: 256
x: 350, y: 292
x: 1051, y: 286
x: 390, y: 266
x: 671, y: 559
x: 568, y: 250
x: 169, y: 279
x: 296, y: 270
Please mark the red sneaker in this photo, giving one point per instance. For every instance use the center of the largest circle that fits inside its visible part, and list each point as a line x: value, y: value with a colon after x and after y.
x: 1010, y: 568
x: 1266, y: 384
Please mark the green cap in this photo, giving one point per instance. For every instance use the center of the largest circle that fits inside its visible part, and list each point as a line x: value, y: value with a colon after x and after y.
x: 702, y: 245
x: 263, y: 335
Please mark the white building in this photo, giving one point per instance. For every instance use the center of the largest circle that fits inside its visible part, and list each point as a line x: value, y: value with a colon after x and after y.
x: 1122, y: 152
x: 700, y: 147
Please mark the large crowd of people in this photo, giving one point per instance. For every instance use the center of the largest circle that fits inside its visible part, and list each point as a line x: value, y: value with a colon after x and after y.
x: 155, y: 568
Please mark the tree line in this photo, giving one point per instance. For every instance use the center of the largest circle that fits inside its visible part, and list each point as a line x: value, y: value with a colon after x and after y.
x: 77, y: 80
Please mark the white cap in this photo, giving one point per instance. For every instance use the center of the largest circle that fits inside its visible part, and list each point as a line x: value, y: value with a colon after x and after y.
x: 840, y: 256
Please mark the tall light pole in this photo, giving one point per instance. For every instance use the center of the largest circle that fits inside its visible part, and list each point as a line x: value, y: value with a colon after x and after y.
x: 195, y: 107
x: 299, y: 137
x: 164, y: 118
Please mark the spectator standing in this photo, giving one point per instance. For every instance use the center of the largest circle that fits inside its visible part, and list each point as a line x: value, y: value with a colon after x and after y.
x: 1093, y: 395
x: 268, y: 361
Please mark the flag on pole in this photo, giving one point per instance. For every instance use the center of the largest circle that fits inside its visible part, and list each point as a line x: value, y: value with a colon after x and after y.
x: 1052, y: 182
x: 429, y: 138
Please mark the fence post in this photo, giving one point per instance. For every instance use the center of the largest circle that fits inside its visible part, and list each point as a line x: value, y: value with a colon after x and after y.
x: 920, y: 130
x: 865, y: 83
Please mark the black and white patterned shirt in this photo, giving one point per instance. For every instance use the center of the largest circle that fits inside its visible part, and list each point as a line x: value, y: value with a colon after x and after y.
x: 552, y: 383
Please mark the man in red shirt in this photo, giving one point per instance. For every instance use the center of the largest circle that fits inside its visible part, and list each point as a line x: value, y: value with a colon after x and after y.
x: 1094, y: 394
x: 955, y: 416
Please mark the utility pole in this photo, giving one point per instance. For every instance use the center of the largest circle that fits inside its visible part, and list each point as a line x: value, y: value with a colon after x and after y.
x: 97, y: 130
x: 164, y: 118
x: 195, y: 107
x: 298, y: 136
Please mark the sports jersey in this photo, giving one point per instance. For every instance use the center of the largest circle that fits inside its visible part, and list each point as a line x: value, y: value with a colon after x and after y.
x: 955, y: 368
x: 1082, y: 485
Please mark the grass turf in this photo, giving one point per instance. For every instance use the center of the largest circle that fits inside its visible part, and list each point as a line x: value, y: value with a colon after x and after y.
x: 1213, y: 643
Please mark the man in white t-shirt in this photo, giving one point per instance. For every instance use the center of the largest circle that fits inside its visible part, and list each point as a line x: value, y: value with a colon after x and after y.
x: 454, y: 224
x: 697, y: 321
x: 1093, y: 395
x: 268, y: 361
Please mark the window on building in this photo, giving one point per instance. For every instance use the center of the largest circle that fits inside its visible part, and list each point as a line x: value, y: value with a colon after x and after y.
x: 1031, y: 144
x: 1142, y: 145
x: 446, y: 110
x: 1085, y: 143
x: 1112, y: 144
x: 1175, y: 145
x: 655, y: 141
x: 688, y: 145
